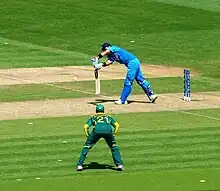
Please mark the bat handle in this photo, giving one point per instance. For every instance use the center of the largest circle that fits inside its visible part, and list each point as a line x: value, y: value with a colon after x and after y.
x: 96, y: 73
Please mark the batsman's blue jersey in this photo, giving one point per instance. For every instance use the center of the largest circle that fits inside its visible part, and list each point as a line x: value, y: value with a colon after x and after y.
x: 120, y: 55
x: 134, y: 72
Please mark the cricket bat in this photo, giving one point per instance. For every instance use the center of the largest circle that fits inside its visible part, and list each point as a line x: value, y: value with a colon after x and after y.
x: 97, y: 82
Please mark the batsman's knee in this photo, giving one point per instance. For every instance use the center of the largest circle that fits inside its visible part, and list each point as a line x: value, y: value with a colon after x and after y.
x: 143, y: 83
x: 128, y: 82
x: 140, y: 82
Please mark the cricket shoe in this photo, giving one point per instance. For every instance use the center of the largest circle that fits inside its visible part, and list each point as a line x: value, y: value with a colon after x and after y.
x: 153, y: 98
x: 79, y: 168
x: 120, y: 168
x: 119, y: 102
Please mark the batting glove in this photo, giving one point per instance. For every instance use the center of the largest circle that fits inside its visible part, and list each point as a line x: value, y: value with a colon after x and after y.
x: 95, y: 60
x: 98, y: 66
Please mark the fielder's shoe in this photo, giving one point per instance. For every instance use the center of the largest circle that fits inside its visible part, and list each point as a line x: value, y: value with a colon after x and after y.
x: 79, y: 168
x: 120, y: 168
x: 153, y: 98
x: 119, y: 102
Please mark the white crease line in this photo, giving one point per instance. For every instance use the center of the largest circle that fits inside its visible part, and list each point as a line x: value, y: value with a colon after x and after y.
x: 72, y: 89
x: 190, y: 113
x: 200, y: 115
x: 198, y: 102
x: 196, y: 114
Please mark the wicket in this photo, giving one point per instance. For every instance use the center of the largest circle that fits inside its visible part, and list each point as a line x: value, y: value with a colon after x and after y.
x: 187, y: 85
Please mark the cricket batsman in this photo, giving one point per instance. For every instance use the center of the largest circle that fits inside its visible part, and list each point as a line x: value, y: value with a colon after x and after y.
x: 104, y: 126
x: 122, y: 56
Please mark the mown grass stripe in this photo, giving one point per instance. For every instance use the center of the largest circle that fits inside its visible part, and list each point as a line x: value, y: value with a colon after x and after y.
x: 66, y: 156
x: 71, y: 135
x: 39, y: 153
x: 153, y: 160
x: 171, y: 130
x: 197, y: 143
x: 125, y: 145
x: 101, y: 172
x: 154, y: 137
x: 44, y: 142
x: 62, y: 152
x: 144, y: 166
x: 170, y: 152
x: 171, y: 136
x: 57, y: 171
x: 37, y: 58
x: 182, y: 143
x: 149, y: 150
x: 43, y: 48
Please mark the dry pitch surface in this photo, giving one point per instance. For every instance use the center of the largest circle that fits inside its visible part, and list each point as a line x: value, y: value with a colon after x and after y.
x: 85, y: 106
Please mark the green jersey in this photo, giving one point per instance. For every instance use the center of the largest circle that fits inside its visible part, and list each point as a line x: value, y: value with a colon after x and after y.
x: 102, y: 124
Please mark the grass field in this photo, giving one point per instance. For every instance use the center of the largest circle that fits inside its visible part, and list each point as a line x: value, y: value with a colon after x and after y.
x: 163, y: 33
x: 174, y: 150
x: 32, y: 151
x: 109, y: 87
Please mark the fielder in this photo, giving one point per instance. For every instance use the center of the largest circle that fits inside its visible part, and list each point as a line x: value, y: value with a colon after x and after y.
x: 117, y: 54
x: 105, y: 127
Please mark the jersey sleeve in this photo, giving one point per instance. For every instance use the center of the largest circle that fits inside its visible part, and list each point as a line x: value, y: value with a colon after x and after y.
x: 113, y: 49
x: 112, y: 58
x: 87, y: 125
x: 115, y: 124
x: 90, y: 121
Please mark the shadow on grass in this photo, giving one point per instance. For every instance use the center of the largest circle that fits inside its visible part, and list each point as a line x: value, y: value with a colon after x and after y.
x: 98, y: 101
x: 95, y: 165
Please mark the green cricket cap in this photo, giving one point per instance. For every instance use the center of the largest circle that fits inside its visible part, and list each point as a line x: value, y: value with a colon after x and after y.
x: 100, y: 108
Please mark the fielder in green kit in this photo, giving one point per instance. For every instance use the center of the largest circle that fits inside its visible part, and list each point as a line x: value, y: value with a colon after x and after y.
x: 104, y: 126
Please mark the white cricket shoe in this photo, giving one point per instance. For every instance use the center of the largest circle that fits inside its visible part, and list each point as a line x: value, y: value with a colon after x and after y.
x: 79, y: 168
x: 153, y: 98
x: 118, y: 102
x: 120, y: 168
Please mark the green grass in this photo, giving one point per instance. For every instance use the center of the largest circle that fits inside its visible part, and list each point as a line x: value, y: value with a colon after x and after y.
x: 108, y: 88
x: 174, y: 151
x: 17, y: 54
x: 183, y: 180
x: 211, y: 5
x: 162, y: 150
x: 182, y: 33
x: 160, y: 85
x: 37, y: 92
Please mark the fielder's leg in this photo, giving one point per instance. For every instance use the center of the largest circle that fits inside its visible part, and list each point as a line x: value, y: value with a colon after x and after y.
x: 131, y: 74
x: 90, y: 142
x: 110, y: 140
x: 145, y: 86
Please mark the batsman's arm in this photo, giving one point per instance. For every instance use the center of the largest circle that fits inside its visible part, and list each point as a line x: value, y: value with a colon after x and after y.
x: 108, y: 50
x: 107, y: 63
x: 103, y: 53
